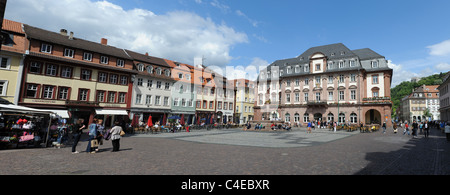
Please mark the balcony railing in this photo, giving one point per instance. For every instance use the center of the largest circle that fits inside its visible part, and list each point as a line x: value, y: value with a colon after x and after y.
x: 377, y: 100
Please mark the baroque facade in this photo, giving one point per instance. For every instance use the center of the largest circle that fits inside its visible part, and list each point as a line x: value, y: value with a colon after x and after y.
x: 326, y: 83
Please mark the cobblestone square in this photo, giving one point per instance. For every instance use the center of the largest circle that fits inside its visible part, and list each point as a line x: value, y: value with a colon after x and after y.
x: 236, y: 152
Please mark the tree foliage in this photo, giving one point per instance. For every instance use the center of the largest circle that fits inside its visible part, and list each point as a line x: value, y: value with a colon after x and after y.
x: 405, y: 88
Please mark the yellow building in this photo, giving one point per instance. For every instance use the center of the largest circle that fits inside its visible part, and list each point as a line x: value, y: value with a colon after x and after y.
x: 11, y: 61
x: 245, y: 100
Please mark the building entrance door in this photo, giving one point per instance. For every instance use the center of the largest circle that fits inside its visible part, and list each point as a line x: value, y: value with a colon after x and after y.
x: 318, y: 117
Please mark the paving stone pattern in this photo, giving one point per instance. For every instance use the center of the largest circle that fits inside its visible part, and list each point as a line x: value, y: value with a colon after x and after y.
x: 236, y: 152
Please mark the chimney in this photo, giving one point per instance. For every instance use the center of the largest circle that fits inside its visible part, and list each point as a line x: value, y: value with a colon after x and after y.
x: 71, y: 36
x: 104, y: 41
x: 146, y: 53
x: 63, y: 32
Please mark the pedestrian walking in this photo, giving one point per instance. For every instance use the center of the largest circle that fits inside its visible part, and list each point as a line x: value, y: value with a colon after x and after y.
x: 421, y: 128
x: 334, y: 126
x: 115, y: 136
x: 395, y: 128
x: 309, y: 127
x: 100, y: 133
x: 384, y: 127
x: 77, y: 131
x: 415, y: 126
x: 92, y: 136
x: 426, y: 129
x: 406, y: 130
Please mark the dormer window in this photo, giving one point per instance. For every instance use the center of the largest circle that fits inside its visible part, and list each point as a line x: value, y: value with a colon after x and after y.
x: 289, y: 70
x: 374, y: 64
x: 341, y: 64
x: 69, y: 53
x: 121, y: 63
x: 352, y: 63
x: 297, y: 69
x: 158, y: 71
x: 330, y: 65
x: 104, y: 60
x: 342, y: 53
x: 46, y: 48
x: 332, y: 54
x: 150, y: 69
x: 167, y: 72
x: 141, y: 67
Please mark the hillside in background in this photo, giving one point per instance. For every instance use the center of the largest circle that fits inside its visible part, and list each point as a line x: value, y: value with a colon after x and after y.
x: 405, y: 88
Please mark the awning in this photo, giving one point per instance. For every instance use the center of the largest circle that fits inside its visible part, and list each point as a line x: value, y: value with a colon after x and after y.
x: 60, y: 113
x: 111, y: 112
x: 21, y: 109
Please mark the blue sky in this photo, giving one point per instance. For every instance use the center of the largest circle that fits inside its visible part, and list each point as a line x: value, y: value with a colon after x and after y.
x: 413, y: 35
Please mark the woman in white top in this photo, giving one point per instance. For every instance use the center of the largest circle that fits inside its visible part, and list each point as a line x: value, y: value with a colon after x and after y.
x: 115, y: 136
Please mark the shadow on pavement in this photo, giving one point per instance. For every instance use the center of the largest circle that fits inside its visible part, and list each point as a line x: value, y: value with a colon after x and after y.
x: 419, y: 156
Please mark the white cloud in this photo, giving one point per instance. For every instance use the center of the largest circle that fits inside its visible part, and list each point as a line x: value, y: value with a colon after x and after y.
x: 440, y: 49
x: 443, y: 67
x: 400, y: 74
x: 249, y: 72
x: 253, y: 22
x: 404, y: 73
x: 175, y: 35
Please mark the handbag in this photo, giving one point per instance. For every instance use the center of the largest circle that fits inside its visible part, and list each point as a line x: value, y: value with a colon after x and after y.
x: 94, y: 143
x: 122, y: 133
x: 107, y: 135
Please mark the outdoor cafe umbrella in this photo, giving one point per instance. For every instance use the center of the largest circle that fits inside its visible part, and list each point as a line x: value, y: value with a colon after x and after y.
x: 150, y: 122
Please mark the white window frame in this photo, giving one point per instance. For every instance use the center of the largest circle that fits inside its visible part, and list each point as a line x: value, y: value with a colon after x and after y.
x: 104, y: 60
x: 4, y: 87
x: 70, y: 53
x: 138, y: 99
x: 46, y: 48
x: 48, y: 92
x: 120, y: 63
x: 87, y: 56
x: 148, y: 99
x: 375, y: 64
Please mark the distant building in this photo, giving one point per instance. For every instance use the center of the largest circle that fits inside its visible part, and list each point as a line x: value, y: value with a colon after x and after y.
x: 422, y: 98
x: 415, y: 79
x: 444, y: 98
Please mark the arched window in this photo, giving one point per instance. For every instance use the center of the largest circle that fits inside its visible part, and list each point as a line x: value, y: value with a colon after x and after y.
x: 150, y: 69
x: 353, y: 118
x: 341, y: 118
x: 306, y: 118
x: 140, y: 67
x: 287, y: 117
x: 330, y: 117
x: 296, y: 117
